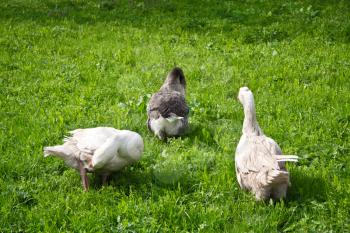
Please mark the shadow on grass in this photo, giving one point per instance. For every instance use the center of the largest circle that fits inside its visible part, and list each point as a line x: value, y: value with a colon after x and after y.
x: 306, y: 188
x: 143, y: 182
x: 252, y: 22
x: 132, y: 175
x: 197, y: 133
x: 201, y: 133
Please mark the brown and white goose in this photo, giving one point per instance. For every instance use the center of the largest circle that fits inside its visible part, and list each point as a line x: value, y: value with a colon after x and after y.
x: 167, y: 109
x: 260, y: 165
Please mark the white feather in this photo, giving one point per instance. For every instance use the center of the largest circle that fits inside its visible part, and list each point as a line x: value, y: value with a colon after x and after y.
x: 287, y: 158
x: 170, y: 126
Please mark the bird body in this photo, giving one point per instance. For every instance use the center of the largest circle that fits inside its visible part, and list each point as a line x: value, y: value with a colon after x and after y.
x: 260, y: 165
x: 170, y: 126
x: 101, y: 150
x: 167, y: 109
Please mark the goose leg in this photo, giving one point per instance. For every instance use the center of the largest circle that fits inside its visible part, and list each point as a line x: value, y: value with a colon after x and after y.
x: 104, y: 179
x: 261, y: 194
x: 161, y: 135
x: 84, y: 177
x: 149, y: 124
x: 279, y: 192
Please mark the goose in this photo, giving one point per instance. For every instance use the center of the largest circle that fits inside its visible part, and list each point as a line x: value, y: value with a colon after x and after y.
x: 260, y: 165
x: 100, y: 150
x: 167, y: 109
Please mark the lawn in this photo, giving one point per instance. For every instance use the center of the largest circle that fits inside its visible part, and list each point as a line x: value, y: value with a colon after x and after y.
x: 67, y: 64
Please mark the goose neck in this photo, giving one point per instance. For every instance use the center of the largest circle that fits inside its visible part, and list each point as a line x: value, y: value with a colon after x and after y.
x: 250, y: 124
x: 173, y: 87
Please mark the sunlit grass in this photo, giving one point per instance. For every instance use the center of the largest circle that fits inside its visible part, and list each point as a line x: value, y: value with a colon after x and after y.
x: 76, y: 64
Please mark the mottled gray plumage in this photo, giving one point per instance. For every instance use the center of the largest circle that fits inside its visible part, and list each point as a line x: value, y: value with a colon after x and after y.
x: 167, y: 109
x: 260, y: 165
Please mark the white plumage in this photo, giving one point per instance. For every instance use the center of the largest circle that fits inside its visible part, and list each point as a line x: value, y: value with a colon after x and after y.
x: 170, y: 126
x: 101, y: 150
x: 260, y: 165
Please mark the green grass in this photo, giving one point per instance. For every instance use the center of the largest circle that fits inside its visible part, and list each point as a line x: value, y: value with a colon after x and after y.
x: 74, y: 64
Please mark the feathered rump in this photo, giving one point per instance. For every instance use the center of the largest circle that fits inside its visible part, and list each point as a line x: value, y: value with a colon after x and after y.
x: 61, y: 151
x: 276, y: 177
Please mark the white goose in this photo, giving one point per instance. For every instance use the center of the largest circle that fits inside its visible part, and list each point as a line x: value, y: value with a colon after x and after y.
x: 101, y: 150
x: 260, y: 165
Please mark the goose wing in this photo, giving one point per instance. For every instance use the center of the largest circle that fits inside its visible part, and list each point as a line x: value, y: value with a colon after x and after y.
x: 256, y: 156
x: 90, y: 139
x: 106, y: 152
x: 166, y: 104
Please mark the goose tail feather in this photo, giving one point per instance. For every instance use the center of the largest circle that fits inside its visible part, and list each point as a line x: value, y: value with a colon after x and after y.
x: 275, y: 177
x: 287, y: 158
x: 59, y: 151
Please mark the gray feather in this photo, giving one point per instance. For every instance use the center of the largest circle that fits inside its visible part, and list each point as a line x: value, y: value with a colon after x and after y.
x: 169, y: 103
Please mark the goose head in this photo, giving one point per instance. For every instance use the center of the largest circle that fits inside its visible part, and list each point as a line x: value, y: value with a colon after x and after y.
x: 175, y: 81
x: 131, y: 145
x: 245, y: 96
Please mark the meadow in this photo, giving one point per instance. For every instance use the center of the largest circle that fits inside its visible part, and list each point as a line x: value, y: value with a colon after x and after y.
x: 67, y: 64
